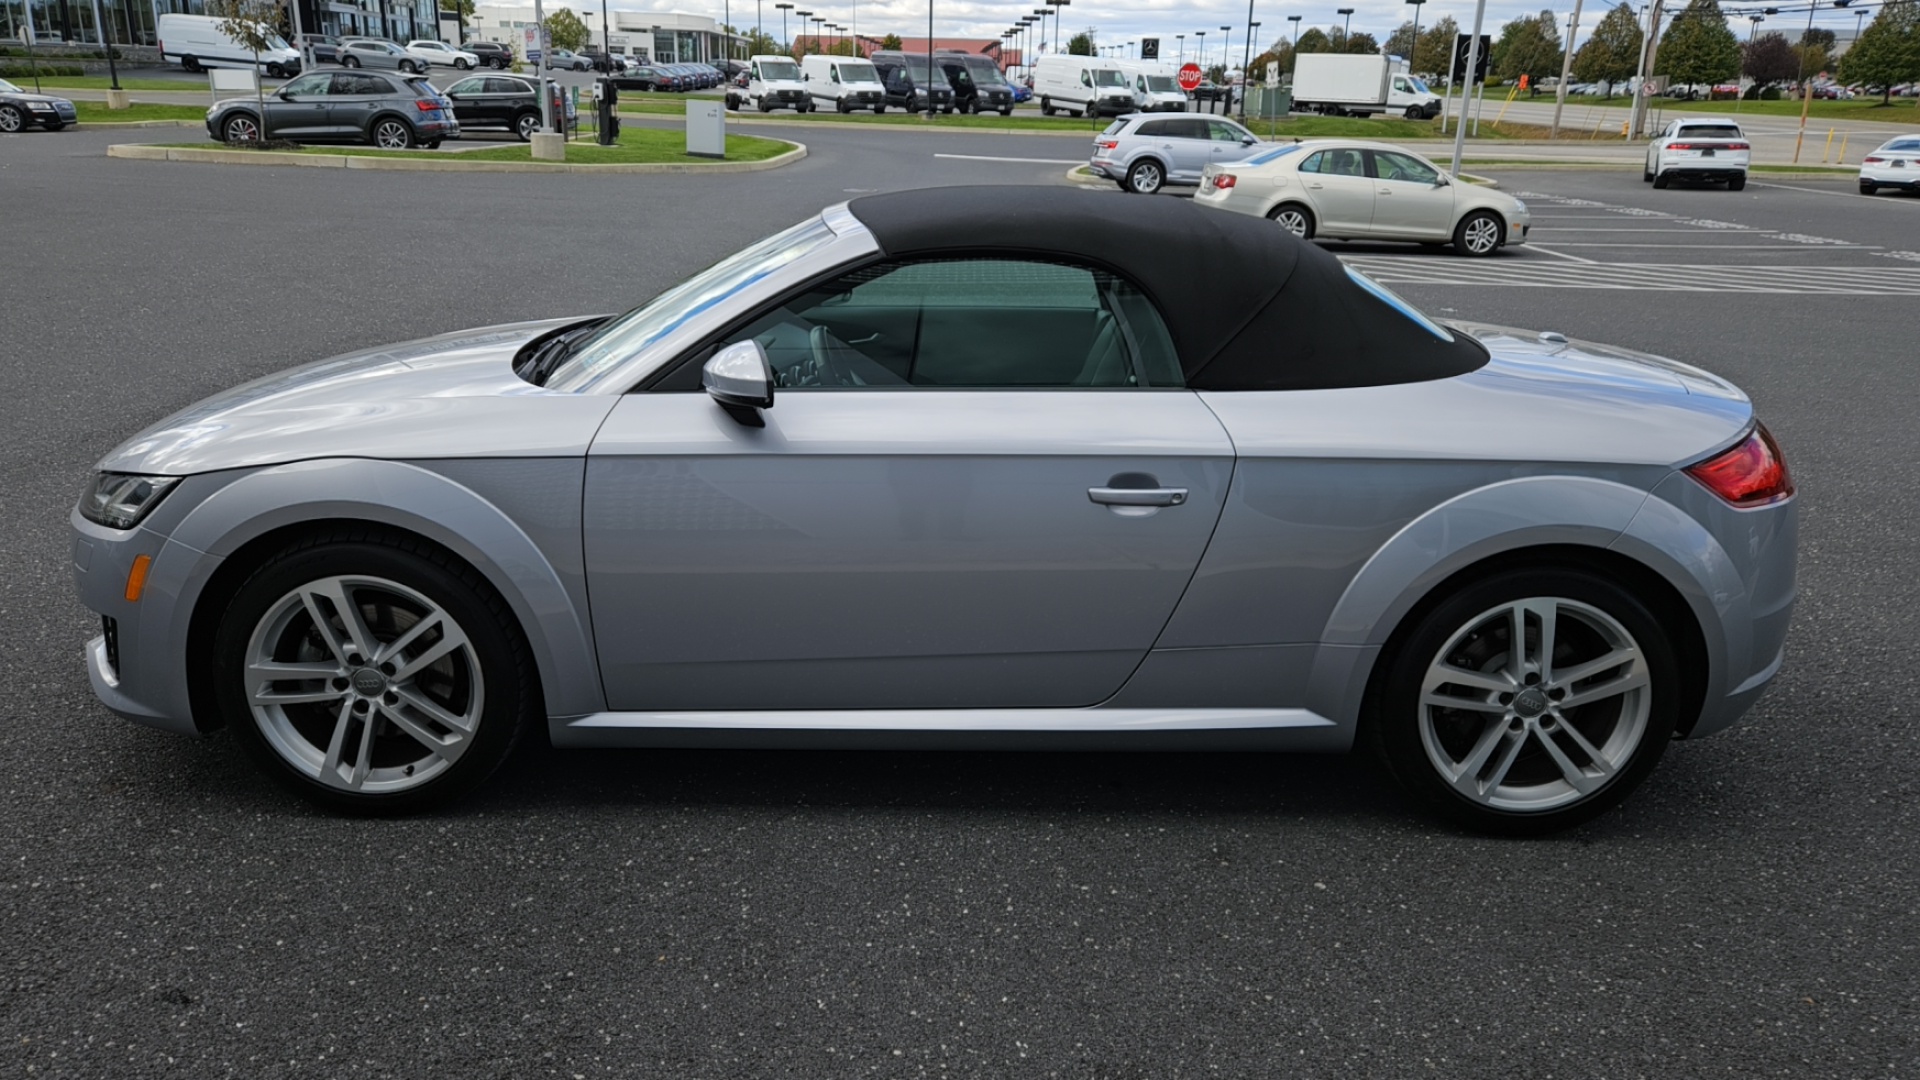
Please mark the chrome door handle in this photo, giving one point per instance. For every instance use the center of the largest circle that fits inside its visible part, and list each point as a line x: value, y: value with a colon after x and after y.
x: 1108, y: 496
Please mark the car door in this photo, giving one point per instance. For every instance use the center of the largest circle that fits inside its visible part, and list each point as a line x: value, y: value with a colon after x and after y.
x: 1228, y: 142
x: 301, y: 108
x: 980, y: 485
x: 1190, y: 145
x: 1337, y: 184
x: 1409, y: 202
x: 473, y: 103
x: 357, y: 95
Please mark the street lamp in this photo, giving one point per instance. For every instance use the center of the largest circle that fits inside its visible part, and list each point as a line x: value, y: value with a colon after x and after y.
x: 1756, y: 20
x: 1348, y: 32
x: 1040, y: 14
x: 805, y: 17
x: 1413, y: 49
x: 1057, y: 5
x: 1182, y: 39
x: 1226, y: 50
x: 1295, y: 20
x: 784, y: 8
x: 1246, y: 61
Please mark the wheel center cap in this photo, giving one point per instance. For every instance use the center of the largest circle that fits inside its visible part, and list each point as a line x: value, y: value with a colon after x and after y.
x: 1530, y: 703
x: 368, y: 682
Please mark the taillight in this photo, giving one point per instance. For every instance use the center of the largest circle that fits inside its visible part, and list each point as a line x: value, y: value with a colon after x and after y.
x: 426, y: 106
x: 1874, y: 161
x: 1681, y: 146
x: 1737, y: 146
x: 1225, y: 181
x: 1751, y: 474
x: 1105, y: 145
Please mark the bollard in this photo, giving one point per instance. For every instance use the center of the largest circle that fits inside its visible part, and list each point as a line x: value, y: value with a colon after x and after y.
x: 1827, y: 149
x: 1842, y: 159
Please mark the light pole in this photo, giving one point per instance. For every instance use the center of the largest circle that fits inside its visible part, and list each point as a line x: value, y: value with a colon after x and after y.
x: 1756, y: 20
x: 1200, y: 51
x: 1413, y: 50
x: 1246, y: 62
x: 1226, y: 49
x: 1057, y: 5
x: 1295, y: 20
x: 1348, y: 32
x: 1566, y: 66
x: 1806, y: 83
x: 805, y: 17
x: 759, y: 24
x: 1182, y: 39
x: 784, y: 39
x: 1040, y: 14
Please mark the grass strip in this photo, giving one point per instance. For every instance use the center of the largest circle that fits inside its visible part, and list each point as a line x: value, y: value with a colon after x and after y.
x: 98, y: 113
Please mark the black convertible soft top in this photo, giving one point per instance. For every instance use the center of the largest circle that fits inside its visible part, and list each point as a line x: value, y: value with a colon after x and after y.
x: 1250, y: 306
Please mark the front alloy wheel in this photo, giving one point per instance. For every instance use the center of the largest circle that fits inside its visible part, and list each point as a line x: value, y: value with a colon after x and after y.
x: 241, y: 129
x: 372, y: 675
x: 1478, y: 235
x: 11, y: 119
x: 1529, y: 702
x: 1145, y: 177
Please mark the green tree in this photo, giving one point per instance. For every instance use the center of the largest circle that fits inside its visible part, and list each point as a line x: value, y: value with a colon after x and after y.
x: 761, y: 43
x: 1281, y: 54
x: 462, y: 11
x: 1528, y: 46
x: 1769, y: 59
x: 892, y: 41
x: 566, y: 31
x: 1315, y: 41
x: 1809, y: 60
x: 1888, y: 52
x: 1820, y: 36
x: 1081, y: 44
x: 1434, y: 54
x: 254, y: 24
x: 1360, y: 43
x: 1698, y: 47
x: 1400, y: 42
x: 1612, y: 54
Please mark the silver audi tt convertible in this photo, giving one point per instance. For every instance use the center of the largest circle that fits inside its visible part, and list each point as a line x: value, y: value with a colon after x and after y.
x: 998, y: 469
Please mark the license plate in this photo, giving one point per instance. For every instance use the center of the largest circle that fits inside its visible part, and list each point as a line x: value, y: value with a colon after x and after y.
x: 1898, y: 164
x: 1706, y: 153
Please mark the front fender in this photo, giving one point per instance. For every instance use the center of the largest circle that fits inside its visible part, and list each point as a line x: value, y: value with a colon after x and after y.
x: 407, y: 497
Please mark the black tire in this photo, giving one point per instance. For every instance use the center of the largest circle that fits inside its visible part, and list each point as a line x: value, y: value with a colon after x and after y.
x: 1415, y: 112
x: 390, y: 133
x: 1008, y: 111
x: 1464, y: 632
x: 12, y: 120
x: 843, y: 107
x: 191, y: 64
x: 1646, y: 175
x: 1738, y: 183
x: 767, y: 108
x: 350, y: 61
x: 1867, y: 187
x: 460, y: 63
x: 525, y: 125
x: 1661, y: 180
x: 273, y: 71
x: 241, y: 127
x: 1146, y: 177
x: 1479, y: 234
x: 1294, y: 218
x: 507, y: 683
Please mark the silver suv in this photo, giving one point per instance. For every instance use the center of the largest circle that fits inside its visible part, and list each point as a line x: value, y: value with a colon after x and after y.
x: 1145, y: 153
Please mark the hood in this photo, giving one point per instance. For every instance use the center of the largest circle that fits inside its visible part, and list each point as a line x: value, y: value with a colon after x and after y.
x: 28, y: 96
x: 450, y: 396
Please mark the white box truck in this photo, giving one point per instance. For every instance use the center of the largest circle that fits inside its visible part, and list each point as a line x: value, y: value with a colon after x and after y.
x: 1340, y: 84
x: 773, y: 82
x: 1156, y: 88
x: 196, y: 43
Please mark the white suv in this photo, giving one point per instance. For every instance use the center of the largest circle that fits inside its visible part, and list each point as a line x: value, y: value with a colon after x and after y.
x: 439, y: 52
x: 1705, y: 148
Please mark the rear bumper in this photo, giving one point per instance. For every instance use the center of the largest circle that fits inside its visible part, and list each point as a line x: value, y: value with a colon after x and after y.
x: 1900, y: 178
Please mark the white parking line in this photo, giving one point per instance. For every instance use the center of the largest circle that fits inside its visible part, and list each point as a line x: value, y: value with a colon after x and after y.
x: 1836, y: 194
x: 1730, y: 247
x: 1016, y: 160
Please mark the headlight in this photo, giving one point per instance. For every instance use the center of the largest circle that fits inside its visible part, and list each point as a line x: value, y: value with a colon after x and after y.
x: 1520, y: 206
x: 119, y: 501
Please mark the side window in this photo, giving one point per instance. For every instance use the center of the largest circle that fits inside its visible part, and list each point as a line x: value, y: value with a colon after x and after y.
x: 307, y: 85
x: 1388, y: 165
x: 968, y: 323
x: 1152, y: 129
x: 1316, y: 162
x: 1400, y: 84
x: 1220, y: 131
x: 1086, y: 79
x: 756, y: 72
x: 833, y: 72
x: 507, y: 86
x: 469, y: 86
x: 1344, y: 163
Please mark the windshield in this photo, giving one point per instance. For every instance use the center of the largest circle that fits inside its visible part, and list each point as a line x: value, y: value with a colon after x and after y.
x: 858, y: 71
x: 1108, y: 77
x: 275, y: 41
x: 1162, y: 84
x: 8, y: 88
x: 1419, y: 85
x: 779, y: 71
x: 626, y: 336
x: 984, y: 71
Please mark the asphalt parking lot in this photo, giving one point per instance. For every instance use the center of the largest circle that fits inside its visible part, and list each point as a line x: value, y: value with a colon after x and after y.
x: 1753, y: 911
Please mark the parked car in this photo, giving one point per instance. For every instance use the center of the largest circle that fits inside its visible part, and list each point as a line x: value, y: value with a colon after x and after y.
x: 844, y: 83
x: 1896, y: 164
x: 392, y: 112
x: 443, y: 54
x: 568, y: 60
x: 643, y: 77
x: 773, y: 82
x: 379, y: 53
x: 196, y: 43
x: 603, y: 62
x: 904, y: 75
x: 1346, y: 189
x: 501, y: 101
x: 1144, y: 153
x: 927, y: 494
x: 1081, y: 86
x: 1021, y: 92
x: 1708, y: 149
x: 324, y: 47
x: 21, y: 109
x: 491, y: 53
x: 977, y: 82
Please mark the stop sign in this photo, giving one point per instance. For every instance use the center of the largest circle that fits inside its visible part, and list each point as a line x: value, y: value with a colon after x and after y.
x: 1189, y: 77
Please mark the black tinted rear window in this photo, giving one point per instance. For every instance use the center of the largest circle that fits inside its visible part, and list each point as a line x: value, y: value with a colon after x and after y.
x: 1710, y: 131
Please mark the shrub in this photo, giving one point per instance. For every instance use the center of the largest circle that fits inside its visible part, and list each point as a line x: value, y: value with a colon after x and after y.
x: 47, y: 71
x: 1771, y: 93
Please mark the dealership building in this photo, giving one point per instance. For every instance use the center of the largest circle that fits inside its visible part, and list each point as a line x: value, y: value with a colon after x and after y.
x: 662, y: 37
x: 131, y: 22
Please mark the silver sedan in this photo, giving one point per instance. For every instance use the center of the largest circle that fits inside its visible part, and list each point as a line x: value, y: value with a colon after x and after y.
x: 992, y: 470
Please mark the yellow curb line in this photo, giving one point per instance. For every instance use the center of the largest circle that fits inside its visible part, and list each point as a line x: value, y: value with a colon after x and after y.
x: 141, y: 152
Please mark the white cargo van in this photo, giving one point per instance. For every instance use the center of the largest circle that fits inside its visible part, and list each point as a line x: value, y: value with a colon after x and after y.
x: 1360, y: 85
x: 1081, y: 85
x: 1155, y: 86
x: 196, y: 43
x: 845, y: 82
x: 773, y: 82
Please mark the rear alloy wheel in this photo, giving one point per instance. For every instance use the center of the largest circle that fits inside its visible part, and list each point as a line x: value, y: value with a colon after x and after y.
x: 1046, y: 107
x: 1478, y: 234
x: 241, y: 128
x: 1528, y: 702
x: 392, y: 134
x: 1294, y: 218
x: 372, y: 677
x: 1145, y: 177
x: 12, y: 119
x: 525, y: 125
x: 460, y: 63
x: 350, y: 61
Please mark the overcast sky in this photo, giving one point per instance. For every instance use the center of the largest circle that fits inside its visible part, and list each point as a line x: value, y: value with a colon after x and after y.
x: 1119, y: 21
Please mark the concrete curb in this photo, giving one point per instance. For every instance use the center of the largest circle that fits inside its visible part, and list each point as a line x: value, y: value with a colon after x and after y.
x: 89, y: 125
x: 211, y: 156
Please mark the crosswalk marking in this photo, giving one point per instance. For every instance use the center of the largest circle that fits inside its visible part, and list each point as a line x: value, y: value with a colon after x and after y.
x: 1885, y: 280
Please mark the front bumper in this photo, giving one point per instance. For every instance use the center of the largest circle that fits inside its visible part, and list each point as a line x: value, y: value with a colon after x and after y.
x: 143, y: 678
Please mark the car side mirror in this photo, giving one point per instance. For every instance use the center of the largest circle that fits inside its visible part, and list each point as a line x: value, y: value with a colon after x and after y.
x: 283, y: 95
x: 1441, y: 180
x: 1248, y: 140
x: 741, y: 380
